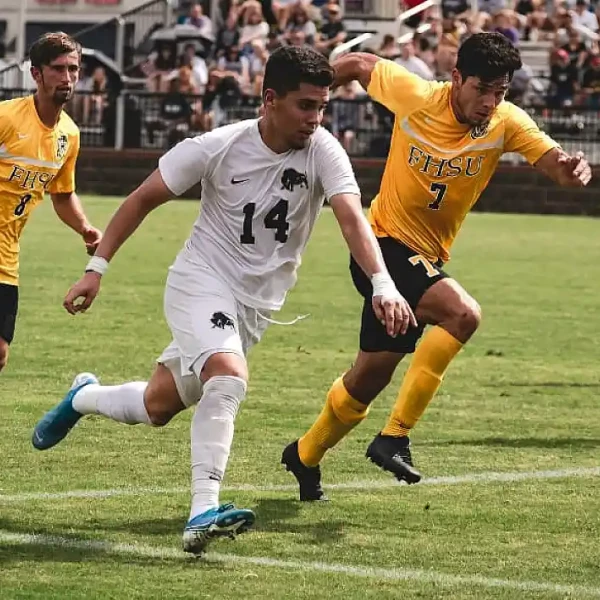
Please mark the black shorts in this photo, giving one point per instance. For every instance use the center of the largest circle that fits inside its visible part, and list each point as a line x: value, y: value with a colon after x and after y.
x: 413, y: 277
x: 9, y: 304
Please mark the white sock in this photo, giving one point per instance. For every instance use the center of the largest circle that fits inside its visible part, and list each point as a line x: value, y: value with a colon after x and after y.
x: 123, y: 403
x: 212, y: 434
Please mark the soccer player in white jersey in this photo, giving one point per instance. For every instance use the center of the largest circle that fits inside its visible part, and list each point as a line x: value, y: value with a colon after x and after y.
x: 263, y: 185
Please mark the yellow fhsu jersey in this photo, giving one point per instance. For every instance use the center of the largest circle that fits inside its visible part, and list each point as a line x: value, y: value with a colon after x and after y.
x: 34, y: 159
x: 437, y: 167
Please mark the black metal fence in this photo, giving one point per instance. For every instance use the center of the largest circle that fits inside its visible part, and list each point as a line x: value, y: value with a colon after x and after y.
x: 157, y: 121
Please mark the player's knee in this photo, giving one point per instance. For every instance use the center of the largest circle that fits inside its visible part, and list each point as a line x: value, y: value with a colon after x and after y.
x: 224, y: 364
x: 468, y: 317
x: 159, y: 415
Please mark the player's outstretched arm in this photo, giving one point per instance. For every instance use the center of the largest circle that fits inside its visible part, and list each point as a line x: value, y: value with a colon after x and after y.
x: 524, y: 137
x: 150, y: 194
x: 354, y: 66
x: 69, y: 210
x: 566, y: 170
x: 390, y: 307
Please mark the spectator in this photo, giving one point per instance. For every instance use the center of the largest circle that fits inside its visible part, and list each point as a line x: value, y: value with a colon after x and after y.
x: 504, y: 24
x: 258, y: 61
x: 235, y: 66
x: 160, y: 67
x: 229, y: 35
x: 445, y: 59
x: 199, y: 20
x: 188, y: 88
x: 389, y: 47
x: 575, y: 49
x: 451, y: 26
x: 255, y: 28
x: 563, y: 79
x: 197, y: 65
x: 538, y: 25
x: 582, y: 16
x: 520, y: 85
x: 591, y: 84
x: 413, y: 63
x: 174, y: 116
x: 426, y: 48
x: 283, y: 10
x: 563, y: 21
x: 299, y: 21
x: 345, y: 114
x: 95, y: 100
x: 332, y: 32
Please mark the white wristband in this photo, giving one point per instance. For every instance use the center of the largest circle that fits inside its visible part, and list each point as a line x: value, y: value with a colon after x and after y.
x: 383, y: 285
x: 97, y: 264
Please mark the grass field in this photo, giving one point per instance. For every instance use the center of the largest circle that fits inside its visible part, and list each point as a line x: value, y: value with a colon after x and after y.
x: 520, y: 400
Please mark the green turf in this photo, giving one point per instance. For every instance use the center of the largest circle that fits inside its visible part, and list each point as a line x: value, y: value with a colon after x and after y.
x: 521, y: 397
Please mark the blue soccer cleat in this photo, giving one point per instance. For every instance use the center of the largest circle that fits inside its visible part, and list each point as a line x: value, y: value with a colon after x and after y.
x: 56, y: 423
x: 215, y: 522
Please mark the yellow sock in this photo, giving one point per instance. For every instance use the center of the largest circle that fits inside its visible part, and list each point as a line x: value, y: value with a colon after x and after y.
x: 422, y: 380
x: 339, y: 416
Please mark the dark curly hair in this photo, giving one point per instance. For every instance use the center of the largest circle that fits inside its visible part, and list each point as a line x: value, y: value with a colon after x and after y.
x: 290, y: 66
x: 488, y: 56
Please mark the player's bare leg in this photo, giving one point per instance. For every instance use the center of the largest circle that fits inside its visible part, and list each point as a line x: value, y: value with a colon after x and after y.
x: 153, y: 403
x: 3, y: 353
x: 455, y: 316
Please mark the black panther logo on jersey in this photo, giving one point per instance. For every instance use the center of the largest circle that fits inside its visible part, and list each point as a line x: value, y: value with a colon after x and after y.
x: 221, y: 320
x: 62, y: 145
x: 291, y: 178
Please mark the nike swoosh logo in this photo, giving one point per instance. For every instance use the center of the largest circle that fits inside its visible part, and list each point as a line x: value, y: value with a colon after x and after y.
x: 235, y: 181
x: 38, y: 437
x: 22, y: 136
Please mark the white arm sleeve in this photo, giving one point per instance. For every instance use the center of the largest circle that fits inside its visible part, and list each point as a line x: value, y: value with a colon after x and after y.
x: 188, y: 162
x: 333, y: 167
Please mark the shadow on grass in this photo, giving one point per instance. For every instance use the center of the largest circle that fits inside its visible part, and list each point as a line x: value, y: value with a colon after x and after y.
x: 274, y: 515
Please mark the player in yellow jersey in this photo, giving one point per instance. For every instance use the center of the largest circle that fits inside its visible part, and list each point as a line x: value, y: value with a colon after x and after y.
x: 446, y: 144
x: 39, y: 144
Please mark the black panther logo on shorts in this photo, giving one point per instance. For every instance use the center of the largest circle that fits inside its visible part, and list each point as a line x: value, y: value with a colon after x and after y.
x: 291, y: 178
x: 221, y: 320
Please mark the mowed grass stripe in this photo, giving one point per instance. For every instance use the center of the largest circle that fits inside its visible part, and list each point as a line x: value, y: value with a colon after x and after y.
x: 393, y: 574
x: 471, y: 478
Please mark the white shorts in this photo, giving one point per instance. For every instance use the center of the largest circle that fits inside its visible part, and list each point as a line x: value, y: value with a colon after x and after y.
x: 205, y: 319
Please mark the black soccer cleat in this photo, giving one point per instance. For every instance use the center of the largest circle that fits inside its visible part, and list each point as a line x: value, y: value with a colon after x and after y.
x: 393, y: 454
x: 309, y: 478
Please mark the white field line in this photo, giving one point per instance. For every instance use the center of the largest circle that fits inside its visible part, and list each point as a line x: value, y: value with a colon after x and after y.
x: 391, y: 574
x: 470, y: 478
